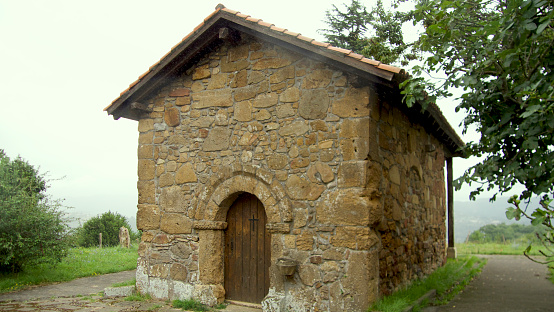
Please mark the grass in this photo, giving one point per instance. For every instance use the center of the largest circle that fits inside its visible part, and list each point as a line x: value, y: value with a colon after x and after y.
x: 190, y: 304
x: 194, y: 305
x: 447, y: 280
x: 132, y: 282
x: 138, y: 297
x: 80, y: 262
x: 495, y: 249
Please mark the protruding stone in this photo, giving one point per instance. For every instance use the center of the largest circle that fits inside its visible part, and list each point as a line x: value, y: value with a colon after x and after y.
x: 296, y: 128
x: 201, y: 73
x: 290, y: 95
x: 146, y: 169
x: 185, y: 174
x: 352, y: 174
x: 172, y: 199
x: 301, y: 189
x: 354, y: 104
x: 217, y: 140
x: 178, y: 272
x: 146, y: 192
x: 359, y: 238
x: 179, y: 92
x: 272, y: 63
x: 212, y: 98
x: 314, y: 104
x: 243, y: 111
x: 319, y: 78
x: 176, y: 223
x: 333, y: 209
x: 148, y: 217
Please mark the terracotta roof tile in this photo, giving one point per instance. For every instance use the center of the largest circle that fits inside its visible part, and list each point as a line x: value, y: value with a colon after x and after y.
x: 198, y: 27
x: 211, y: 15
x: 292, y: 33
x: 134, y: 83
x: 125, y: 91
x: 266, y: 24
x: 253, y: 19
x: 169, y: 52
x: 321, y: 44
x: 278, y: 29
x: 230, y: 11
x: 355, y: 56
x: 341, y: 50
x: 370, y: 61
x: 242, y: 15
x: 305, y: 38
x: 144, y: 74
x: 390, y: 68
x: 154, y: 65
x: 187, y: 36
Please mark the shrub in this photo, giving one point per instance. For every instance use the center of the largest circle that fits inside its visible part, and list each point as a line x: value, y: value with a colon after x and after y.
x: 33, y: 228
x: 108, y: 224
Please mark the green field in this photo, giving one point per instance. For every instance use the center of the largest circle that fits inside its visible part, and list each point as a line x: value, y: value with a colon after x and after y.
x: 80, y: 262
x: 494, y: 249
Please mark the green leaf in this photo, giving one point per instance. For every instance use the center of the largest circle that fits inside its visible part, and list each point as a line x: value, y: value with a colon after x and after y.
x: 543, y: 26
x: 510, y: 213
x: 530, y: 26
x: 538, y: 221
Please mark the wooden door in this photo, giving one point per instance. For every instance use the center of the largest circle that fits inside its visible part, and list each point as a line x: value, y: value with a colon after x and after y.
x: 247, y: 251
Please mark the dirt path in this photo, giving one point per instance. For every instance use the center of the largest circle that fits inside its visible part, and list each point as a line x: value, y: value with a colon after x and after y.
x: 82, y: 286
x: 83, y: 295
x: 507, y: 283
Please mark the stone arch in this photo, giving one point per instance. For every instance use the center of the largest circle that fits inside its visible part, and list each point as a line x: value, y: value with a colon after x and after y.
x: 213, y: 204
x: 217, y: 199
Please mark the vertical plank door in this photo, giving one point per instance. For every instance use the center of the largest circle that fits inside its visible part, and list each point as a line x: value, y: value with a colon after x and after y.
x: 247, y: 251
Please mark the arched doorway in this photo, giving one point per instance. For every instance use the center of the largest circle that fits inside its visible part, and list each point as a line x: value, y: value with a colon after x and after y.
x: 247, y: 251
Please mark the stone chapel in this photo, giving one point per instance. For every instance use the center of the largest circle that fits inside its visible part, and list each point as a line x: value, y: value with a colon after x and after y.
x: 281, y: 171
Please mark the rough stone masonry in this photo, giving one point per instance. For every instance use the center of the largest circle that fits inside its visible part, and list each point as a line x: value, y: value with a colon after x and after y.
x: 350, y: 187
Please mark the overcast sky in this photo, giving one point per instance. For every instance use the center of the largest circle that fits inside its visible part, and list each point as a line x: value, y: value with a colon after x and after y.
x: 62, y: 62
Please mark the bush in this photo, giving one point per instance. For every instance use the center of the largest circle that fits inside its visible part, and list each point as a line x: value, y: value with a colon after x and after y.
x: 33, y: 228
x: 108, y: 224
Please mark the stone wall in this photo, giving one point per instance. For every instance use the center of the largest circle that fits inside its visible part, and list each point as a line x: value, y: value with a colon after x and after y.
x: 341, y: 194
x: 413, y: 230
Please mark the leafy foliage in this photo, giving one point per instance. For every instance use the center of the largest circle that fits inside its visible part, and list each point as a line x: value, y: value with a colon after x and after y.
x: 501, y: 55
x: 32, y: 226
x: 376, y: 34
x: 108, y: 224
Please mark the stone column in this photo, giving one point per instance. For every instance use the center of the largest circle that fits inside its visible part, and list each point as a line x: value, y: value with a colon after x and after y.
x: 451, y: 251
x: 211, y: 265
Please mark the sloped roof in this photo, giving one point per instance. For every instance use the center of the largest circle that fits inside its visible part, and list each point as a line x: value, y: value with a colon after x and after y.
x: 208, y: 32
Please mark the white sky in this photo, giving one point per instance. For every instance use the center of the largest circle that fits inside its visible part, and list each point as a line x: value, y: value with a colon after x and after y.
x: 62, y: 62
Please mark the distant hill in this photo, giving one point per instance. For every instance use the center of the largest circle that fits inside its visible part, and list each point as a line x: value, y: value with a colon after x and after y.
x: 471, y: 215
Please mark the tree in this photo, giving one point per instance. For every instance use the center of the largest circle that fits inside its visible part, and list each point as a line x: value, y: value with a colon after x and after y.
x: 500, y: 54
x: 108, y: 224
x: 32, y: 226
x: 376, y: 34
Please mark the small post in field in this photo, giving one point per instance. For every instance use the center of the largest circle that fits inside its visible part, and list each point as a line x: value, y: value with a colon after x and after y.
x: 100, y: 240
